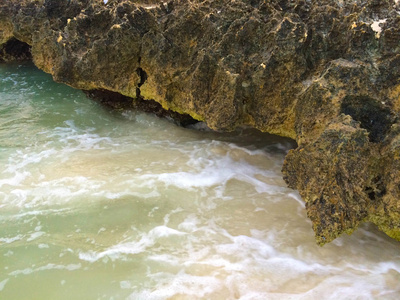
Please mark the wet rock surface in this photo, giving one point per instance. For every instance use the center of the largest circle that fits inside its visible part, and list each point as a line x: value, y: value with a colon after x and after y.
x: 325, y: 73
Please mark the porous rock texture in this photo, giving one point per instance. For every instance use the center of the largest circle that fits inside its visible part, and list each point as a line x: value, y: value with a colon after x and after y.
x: 325, y: 73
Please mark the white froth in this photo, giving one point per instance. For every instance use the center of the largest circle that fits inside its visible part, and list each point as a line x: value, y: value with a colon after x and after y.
x: 3, y: 284
x: 218, y: 171
x: 35, y: 235
x: 50, y: 266
x: 183, y: 285
x: 12, y: 239
x: 190, y: 224
x: 78, y: 139
x: 121, y: 194
x: 51, y: 192
x: 146, y: 240
x: 27, y: 214
x: 17, y: 178
x: 24, y: 159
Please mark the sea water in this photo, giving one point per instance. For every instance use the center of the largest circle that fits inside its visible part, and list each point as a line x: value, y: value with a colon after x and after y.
x: 123, y: 205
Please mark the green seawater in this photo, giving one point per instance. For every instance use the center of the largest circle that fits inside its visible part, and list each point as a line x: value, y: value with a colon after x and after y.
x: 123, y: 205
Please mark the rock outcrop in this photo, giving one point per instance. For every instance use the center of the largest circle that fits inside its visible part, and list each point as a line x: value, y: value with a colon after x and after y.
x: 325, y: 73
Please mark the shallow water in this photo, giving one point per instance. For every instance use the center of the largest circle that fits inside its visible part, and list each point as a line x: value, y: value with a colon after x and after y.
x: 101, y: 205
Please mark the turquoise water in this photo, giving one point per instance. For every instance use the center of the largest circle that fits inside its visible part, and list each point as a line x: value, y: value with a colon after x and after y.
x: 123, y: 205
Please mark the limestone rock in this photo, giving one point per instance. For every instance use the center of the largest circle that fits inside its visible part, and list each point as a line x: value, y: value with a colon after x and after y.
x: 325, y: 73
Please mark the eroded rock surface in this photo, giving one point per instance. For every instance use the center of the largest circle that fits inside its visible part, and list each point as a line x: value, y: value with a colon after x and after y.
x: 325, y: 73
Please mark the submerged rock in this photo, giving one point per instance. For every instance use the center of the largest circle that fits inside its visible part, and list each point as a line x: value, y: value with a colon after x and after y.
x: 325, y: 73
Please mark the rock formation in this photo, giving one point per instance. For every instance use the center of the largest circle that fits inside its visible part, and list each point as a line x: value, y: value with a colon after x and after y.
x: 325, y: 73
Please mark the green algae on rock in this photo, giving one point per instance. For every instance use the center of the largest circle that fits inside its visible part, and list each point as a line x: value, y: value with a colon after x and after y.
x: 325, y: 73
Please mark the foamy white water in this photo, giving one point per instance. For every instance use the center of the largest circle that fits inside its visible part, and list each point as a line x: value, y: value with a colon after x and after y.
x: 101, y: 205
